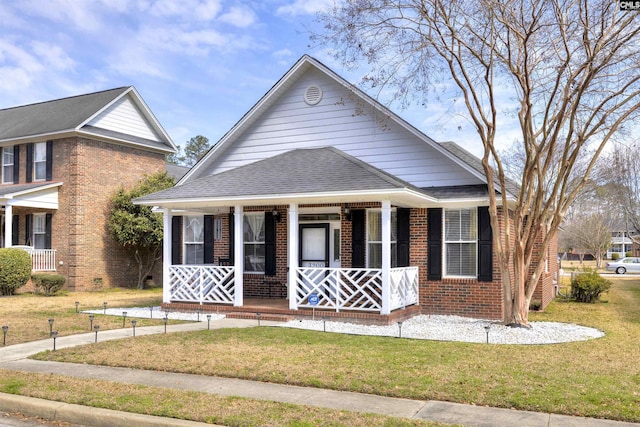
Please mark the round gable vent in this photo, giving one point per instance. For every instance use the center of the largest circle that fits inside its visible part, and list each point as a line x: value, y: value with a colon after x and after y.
x: 312, y: 95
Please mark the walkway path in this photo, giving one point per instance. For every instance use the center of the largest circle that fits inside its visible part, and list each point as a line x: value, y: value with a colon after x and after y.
x: 15, y: 358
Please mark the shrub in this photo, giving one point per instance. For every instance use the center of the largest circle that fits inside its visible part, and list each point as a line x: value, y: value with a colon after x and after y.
x: 48, y: 283
x: 615, y: 256
x: 628, y: 254
x: 587, y: 286
x: 15, y: 269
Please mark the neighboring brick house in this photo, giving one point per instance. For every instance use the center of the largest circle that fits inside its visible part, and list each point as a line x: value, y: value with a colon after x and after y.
x: 321, y: 198
x: 62, y: 161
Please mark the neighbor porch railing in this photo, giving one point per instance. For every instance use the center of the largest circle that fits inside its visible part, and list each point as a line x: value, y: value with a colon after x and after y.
x: 202, y: 284
x: 358, y: 289
x: 41, y: 259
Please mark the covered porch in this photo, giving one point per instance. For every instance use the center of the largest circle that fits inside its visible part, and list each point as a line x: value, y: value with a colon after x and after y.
x: 313, y: 277
x: 316, y: 228
x: 26, y: 212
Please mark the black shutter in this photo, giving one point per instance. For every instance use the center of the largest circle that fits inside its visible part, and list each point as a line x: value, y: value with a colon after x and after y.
x: 358, y: 236
x: 434, y: 244
x: 15, y: 227
x: 208, y: 239
x: 176, y: 240
x: 29, y: 168
x: 269, y: 244
x: 404, y: 233
x: 485, y: 245
x: 49, y: 160
x: 232, y: 238
x: 28, y: 229
x: 47, y: 231
x: 16, y: 164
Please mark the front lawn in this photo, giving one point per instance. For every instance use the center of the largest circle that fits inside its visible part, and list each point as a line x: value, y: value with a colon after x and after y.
x: 598, y: 378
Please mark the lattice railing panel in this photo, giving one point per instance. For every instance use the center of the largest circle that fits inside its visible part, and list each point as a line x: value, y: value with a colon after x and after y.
x: 197, y: 283
x: 340, y: 289
x: 404, y: 287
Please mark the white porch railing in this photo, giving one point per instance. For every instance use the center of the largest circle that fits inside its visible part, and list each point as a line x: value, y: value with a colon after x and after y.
x: 202, y: 284
x: 357, y: 289
x: 404, y: 287
x: 41, y: 259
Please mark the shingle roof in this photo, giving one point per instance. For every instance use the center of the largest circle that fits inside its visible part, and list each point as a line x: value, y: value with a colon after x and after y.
x: 14, y: 189
x: 53, y: 116
x: 317, y: 170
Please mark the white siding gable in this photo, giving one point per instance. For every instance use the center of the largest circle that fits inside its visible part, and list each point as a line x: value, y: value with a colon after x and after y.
x: 125, y: 117
x: 343, y: 120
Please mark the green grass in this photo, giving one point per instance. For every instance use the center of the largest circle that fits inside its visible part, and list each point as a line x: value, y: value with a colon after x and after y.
x: 597, y: 378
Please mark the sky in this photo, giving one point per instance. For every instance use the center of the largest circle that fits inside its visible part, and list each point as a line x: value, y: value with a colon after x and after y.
x: 200, y: 65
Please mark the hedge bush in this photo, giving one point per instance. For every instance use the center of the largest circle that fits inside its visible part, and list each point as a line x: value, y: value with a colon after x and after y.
x: 15, y: 269
x: 587, y: 286
x: 49, y: 284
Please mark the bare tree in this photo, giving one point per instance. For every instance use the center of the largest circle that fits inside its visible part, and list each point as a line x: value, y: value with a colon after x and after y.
x: 589, y: 234
x: 569, y: 67
x: 619, y: 171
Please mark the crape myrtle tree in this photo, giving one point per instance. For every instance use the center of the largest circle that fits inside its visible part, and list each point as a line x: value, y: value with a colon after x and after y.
x: 137, y: 228
x: 565, y: 71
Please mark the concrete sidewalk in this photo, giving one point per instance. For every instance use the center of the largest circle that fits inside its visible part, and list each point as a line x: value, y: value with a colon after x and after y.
x: 15, y: 358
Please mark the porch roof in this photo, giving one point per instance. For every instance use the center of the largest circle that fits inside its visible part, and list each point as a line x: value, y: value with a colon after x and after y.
x: 35, y: 195
x: 319, y: 175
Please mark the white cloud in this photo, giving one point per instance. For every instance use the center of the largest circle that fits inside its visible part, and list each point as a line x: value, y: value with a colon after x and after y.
x: 305, y: 7
x: 239, y: 16
x: 53, y: 56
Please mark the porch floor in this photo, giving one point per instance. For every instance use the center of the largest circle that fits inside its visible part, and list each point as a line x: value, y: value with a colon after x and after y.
x: 278, y: 310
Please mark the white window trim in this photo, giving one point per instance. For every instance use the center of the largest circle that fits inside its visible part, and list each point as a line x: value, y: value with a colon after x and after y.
x: 445, y: 242
x: 43, y: 218
x: 367, y: 241
x: 43, y: 146
x: 5, y: 179
x: 185, y: 243
x: 245, y: 242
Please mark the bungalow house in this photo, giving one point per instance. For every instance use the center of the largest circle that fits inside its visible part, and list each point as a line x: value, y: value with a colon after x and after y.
x: 321, y: 198
x: 62, y: 161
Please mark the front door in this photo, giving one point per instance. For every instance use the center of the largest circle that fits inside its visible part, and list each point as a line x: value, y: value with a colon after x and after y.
x: 314, y: 245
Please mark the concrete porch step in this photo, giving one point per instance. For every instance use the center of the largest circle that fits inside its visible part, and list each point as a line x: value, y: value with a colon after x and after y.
x: 263, y: 316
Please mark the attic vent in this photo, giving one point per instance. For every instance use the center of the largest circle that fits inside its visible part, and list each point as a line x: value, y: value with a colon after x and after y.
x: 312, y: 95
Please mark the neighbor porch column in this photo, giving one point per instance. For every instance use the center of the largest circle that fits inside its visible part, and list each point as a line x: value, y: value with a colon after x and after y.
x: 166, y: 255
x: 238, y: 255
x: 8, y: 225
x: 386, y: 257
x: 293, y: 255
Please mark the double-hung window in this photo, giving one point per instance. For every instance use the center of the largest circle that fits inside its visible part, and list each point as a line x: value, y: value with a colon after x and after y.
x: 40, y: 231
x: 461, y: 242
x: 40, y: 161
x: 374, y: 238
x: 194, y: 239
x: 254, y: 242
x: 7, y: 164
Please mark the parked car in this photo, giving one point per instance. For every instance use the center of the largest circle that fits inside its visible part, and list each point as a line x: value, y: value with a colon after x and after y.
x: 630, y: 264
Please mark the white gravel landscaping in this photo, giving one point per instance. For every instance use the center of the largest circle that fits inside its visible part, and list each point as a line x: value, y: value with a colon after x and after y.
x: 455, y: 328
x: 440, y: 328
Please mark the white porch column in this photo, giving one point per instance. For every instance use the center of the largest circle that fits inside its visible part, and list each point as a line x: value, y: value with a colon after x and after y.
x: 166, y: 255
x: 386, y: 257
x: 238, y: 254
x: 293, y: 254
x: 8, y: 225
